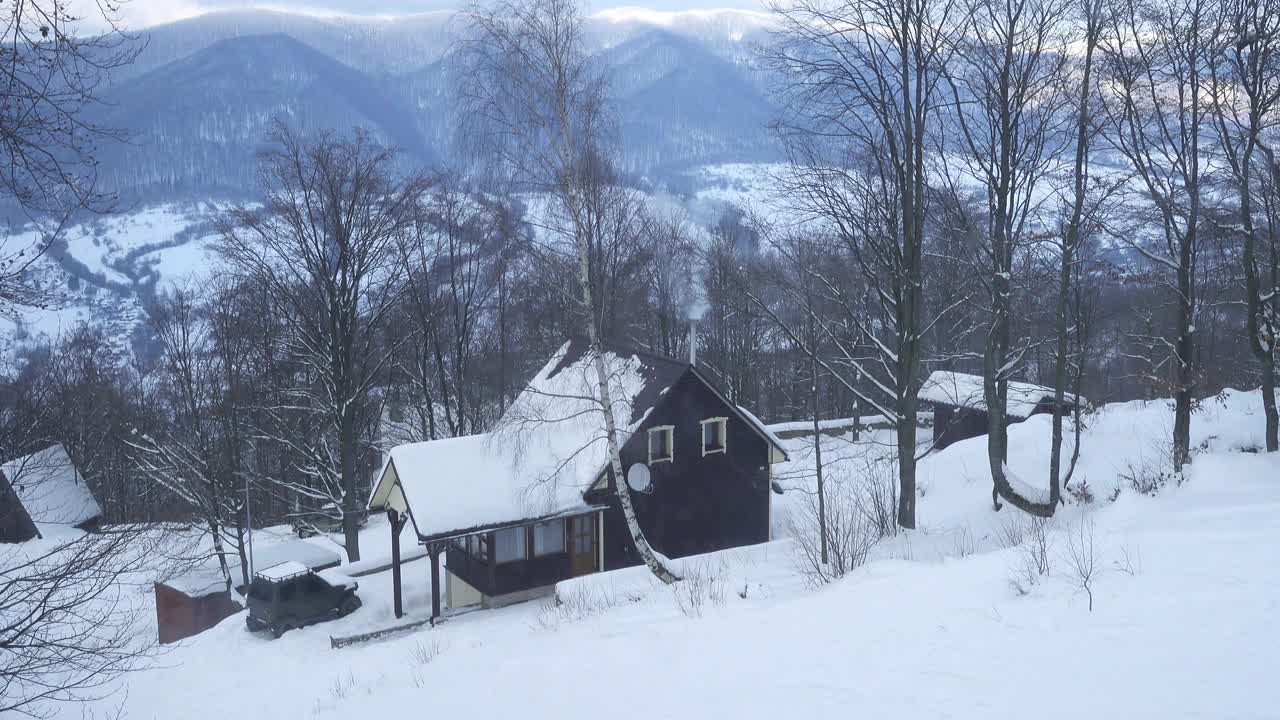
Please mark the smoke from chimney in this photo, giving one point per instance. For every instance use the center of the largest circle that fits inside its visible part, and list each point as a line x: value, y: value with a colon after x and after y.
x: 695, y: 306
x: 693, y: 341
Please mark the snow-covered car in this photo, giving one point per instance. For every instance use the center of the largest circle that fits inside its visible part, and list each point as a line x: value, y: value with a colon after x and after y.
x: 290, y: 595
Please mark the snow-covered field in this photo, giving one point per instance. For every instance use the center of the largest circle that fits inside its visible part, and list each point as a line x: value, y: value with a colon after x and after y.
x: 107, y: 265
x: 1185, y: 621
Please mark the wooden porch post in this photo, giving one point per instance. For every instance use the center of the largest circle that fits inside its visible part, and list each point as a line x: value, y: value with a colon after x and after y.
x: 434, y: 549
x: 397, y: 523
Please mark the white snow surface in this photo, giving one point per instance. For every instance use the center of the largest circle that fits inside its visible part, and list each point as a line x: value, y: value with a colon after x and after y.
x: 309, y: 555
x: 283, y: 570
x: 50, y: 488
x: 1184, y: 607
x: 547, y: 450
x: 965, y: 390
x: 199, y: 582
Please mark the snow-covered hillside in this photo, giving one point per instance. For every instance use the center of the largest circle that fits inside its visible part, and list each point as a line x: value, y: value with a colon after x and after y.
x: 937, y: 624
x: 109, y: 266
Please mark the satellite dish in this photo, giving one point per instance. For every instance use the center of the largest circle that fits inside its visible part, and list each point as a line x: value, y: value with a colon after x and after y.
x: 638, y: 478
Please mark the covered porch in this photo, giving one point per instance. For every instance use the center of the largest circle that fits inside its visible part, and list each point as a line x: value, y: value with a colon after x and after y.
x: 499, y: 542
x: 514, y: 563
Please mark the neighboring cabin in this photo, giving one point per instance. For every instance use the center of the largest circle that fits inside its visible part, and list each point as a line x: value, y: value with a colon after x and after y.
x: 43, y: 488
x: 960, y: 406
x: 532, y: 503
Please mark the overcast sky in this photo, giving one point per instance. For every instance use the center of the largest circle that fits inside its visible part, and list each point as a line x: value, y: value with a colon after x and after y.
x: 142, y: 13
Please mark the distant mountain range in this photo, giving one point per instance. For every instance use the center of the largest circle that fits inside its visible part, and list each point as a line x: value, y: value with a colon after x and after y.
x: 201, y: 97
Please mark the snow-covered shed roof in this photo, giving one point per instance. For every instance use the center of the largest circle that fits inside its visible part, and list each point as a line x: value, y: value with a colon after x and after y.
x: 965, y: 390
x: 206, y: 578
x: 199, y: 582
x: 50, y: 488
x: 308, y: 554
x: 546, y: 451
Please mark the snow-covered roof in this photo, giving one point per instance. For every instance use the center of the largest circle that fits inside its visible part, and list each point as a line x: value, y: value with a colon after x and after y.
x: 307, y: 554
x: 199, y: 582
x: 283, y: 570
x: 965, y: 390
x: 546, y: 451
x: 762, y: 429
x: 50, y: 488
x: 206, y: 578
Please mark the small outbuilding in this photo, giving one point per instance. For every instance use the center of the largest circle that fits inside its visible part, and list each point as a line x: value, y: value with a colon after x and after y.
x: 190, y: 604
x: 960, y: 405
x: 43, y: 488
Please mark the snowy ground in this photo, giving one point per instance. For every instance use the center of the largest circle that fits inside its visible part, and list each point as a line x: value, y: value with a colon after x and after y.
x: 109, y: 265
x: 1184, y: 625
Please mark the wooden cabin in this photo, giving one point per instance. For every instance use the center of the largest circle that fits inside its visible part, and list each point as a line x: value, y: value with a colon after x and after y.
x: 532, y: 503
x: 960, y: 406
x: 44, y: 488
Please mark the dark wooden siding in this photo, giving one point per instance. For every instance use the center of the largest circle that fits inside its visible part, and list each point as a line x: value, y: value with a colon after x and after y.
x: 15, y: 523
x: 698, y: 504
x: 179, y: 615
x: 952, y: 424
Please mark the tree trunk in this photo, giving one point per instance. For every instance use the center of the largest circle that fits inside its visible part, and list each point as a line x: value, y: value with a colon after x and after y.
x: 817, y: 457
x: 351, y: 505
x: 605, y: 397
x: 1069, y: 245
x: 1185, y: 358
x: 1261, y: 332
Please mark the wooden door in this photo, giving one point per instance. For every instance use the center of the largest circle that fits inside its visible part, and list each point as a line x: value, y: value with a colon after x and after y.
x: 582, y: 544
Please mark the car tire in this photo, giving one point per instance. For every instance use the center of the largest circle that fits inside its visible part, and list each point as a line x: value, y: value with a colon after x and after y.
x: 278, y: 630
x: 350, y: 604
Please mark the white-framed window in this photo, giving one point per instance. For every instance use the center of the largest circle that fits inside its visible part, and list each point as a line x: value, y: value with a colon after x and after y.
x: 548, y: 538
x: 714, y: 434
x: 509, y: 545
x: 661, y: 443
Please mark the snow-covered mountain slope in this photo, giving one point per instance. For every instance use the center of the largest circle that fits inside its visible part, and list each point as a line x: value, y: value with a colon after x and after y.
x: 1184, y: 597
x: 405, y: 43
x: 110, y: 266
x: 197, y: 103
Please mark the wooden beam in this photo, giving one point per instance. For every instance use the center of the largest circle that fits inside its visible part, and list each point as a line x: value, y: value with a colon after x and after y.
x: 396, y: 524
x: 435, y: 581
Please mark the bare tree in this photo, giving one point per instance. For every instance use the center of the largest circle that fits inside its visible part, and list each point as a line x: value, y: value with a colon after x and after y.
x: 1005, y: 73
x: 324, y: 243
x: 52, y: 69
x: 1157, y: 113
x: 455, y: 264
x: 1245, y: 93
x: 540, y: 109
x: 860, y: 88
x: 66, y: 632
x: 70, y: 626
x: 1081, y: 556
x: 1074, y: 232
x: 187, y: 456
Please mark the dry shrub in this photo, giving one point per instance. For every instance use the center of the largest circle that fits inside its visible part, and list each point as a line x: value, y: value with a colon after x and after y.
x: 1081, y: 556
x: 1033, y: 557
x: 853, y: 511
x: 702, y: 583
x: 572, y: 606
